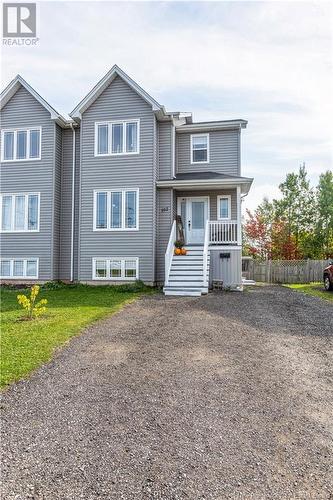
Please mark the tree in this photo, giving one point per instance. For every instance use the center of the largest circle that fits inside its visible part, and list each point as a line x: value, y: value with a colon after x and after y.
x: 324, y: 227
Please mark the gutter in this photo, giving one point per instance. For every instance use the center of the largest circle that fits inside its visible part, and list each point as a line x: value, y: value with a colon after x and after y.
x: 73, y: 205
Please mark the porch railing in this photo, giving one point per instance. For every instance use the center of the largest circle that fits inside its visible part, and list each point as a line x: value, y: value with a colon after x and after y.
x: 169, y: 252
x: 205, y: 255
x: 223, y: 232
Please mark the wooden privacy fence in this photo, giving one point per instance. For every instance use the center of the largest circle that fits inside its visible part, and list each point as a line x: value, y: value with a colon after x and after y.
x: 284, y: 271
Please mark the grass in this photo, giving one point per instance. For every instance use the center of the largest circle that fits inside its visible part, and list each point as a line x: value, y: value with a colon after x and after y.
x: 25, y: 345
x: 314, y: 289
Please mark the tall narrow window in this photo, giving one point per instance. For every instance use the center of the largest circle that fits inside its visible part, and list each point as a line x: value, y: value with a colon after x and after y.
x: 19, y: 145
x: 101, y: 212
x: 34, y: 144
x: 8, y: 145
x: 7, y: 207
x: 103, y: 139
x: 224, y: 207
x: 115, y: 268
x: 117, y: 138
x: 130, y: 207
x: 33, y: 212
x: 19, y: 224
x: 101, y: 269
x: 20, y: 212
x: 200, y: 148
x: 31, y: 269
x: 131, y: 137
x: 5, y: 268
x: 116, y: 210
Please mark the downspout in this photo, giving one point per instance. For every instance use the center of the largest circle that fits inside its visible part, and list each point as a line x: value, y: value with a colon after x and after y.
x: 73, y: 205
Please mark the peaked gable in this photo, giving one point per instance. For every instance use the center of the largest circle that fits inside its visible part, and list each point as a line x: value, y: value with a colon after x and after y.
x: 17, y: 83
x: 114, y: 72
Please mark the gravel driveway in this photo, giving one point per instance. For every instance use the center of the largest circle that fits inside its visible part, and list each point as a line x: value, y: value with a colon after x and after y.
x: 216, y: 397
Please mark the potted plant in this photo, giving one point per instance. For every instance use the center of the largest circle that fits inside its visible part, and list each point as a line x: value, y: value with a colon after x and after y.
x: 179, y: 248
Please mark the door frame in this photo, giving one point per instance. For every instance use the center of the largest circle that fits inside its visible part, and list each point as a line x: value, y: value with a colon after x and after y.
x: 201, y: 198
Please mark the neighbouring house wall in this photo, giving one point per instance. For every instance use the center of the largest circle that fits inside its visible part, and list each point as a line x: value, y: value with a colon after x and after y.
x: 164, y: 222
x: 66, y: 203
x: 165, y: 154
x: 212, y: 199
x: 23, y: 110
x: 229, y: 270
x: 224, y: 153
x: 118, y: 102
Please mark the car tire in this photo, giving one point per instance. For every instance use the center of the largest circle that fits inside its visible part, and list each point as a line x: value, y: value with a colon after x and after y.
x: 327, y: 284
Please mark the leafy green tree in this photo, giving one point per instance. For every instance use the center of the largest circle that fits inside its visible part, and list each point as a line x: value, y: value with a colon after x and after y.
x: 324, y: 227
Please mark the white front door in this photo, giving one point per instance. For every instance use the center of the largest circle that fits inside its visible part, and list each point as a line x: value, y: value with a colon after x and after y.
x: 194, y: 214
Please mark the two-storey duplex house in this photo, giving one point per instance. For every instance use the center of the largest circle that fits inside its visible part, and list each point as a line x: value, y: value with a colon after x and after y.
x: 101, y: 197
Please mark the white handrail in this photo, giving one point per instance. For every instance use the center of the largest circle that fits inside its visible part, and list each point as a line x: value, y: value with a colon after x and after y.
x: 222, y: 232
x: 205, y: 255
x: 169, y: 252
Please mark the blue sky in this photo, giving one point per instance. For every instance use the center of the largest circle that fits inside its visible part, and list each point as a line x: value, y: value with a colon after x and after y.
x: 267, y: 62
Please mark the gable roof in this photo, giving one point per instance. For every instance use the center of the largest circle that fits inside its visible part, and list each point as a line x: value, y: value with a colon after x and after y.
x: 104, y: 83
x: 19, y: 82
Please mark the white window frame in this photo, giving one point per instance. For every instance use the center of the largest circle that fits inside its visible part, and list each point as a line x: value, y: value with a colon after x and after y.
x: 24, y: 259
x: 123, y: 211
x: 117, y: 122
x: 108, y: 276
x: 222, y: 197
x: 16, y: 130
x: 12, y: 230
x: 191, y: 152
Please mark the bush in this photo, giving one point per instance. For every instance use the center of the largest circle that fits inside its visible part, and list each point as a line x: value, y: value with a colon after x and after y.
x: 32, y: 309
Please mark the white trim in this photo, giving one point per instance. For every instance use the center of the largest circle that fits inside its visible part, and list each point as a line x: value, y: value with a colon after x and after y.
x: 219, y: 198
x: 73, y: 204
x: 244, y: 182
x: 112, y: 278
x: 239, y: 216
x: 15, y: 131
x: 211, y: 126
x: 123, y: 212
x: 24, y: 259
x: 109, y: 125
x: 199, y: 162
x: 9, y: 231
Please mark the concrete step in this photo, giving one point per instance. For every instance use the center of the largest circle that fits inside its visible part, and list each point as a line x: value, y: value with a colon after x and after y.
x: 182, y: 293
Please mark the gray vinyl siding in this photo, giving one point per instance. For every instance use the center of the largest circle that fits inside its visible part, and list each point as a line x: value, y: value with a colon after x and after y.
x: 212, y: 200
x: 66, y: 203
x: 229, y: 270
x: 224, y: 153
x: 165, y: 143
x: 118, y: 102
x: 22, y: 110
x: 57, y: 199
x: 164, y: 222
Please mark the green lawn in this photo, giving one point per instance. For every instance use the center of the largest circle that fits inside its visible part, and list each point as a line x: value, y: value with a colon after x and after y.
x: 314, y: 289
x: 25, y: 345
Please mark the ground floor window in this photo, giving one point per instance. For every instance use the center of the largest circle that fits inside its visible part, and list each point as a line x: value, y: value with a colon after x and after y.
x: 19, y: 268
x: 116, y: 268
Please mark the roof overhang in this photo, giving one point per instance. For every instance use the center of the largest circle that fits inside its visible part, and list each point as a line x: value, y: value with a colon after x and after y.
x: 104, y: 83
x: 188, y: 184
x: 210, y: 126
x: 19, y: 82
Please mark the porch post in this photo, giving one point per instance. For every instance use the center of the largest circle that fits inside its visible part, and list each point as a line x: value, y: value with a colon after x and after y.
x: 239, y: 217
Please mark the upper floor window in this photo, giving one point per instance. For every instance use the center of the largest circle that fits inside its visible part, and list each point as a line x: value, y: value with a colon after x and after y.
x: 19, y: 212
x: 224, y: 207
x: 200, y: 148
x: 21, y: 144
x: 116, y: 210
x: 117, y: 138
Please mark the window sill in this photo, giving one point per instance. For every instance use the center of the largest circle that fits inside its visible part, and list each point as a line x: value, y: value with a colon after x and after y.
x: 199, y: 162
x: 120, y: 230
x: 115, y: 279
x: 116, y: 154
x: 20, y: 160
x: 19, y: 231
